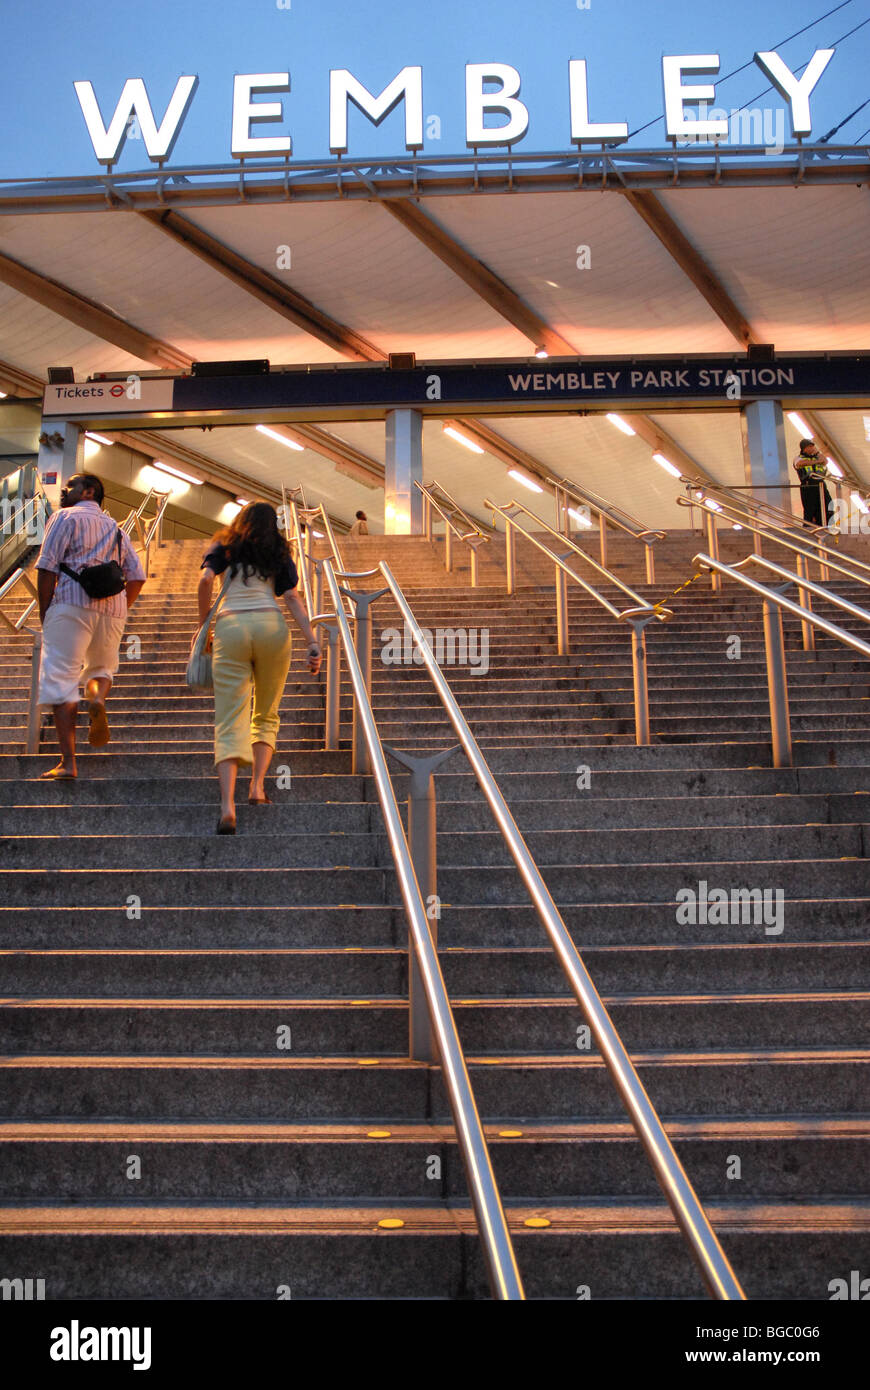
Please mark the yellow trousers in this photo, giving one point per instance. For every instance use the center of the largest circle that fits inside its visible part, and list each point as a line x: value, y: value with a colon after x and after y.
x: 251, y: 655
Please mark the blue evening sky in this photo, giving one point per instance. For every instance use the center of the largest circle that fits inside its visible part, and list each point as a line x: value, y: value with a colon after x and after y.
x: 49, y: 45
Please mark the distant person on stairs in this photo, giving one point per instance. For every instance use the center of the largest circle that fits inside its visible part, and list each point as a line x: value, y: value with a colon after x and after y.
x: 360, y: 526
x: 81, y: 634
x: 252, y: 647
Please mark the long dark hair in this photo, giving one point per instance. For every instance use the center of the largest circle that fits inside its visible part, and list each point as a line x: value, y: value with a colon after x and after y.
x: 253, y: 542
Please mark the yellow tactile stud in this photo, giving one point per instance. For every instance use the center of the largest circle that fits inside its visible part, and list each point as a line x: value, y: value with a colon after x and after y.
x: 510, y: 1134
x: 368, y: 1061
x: 379, y: 1134
x: 538, y: 1222
x: 391, y: 1223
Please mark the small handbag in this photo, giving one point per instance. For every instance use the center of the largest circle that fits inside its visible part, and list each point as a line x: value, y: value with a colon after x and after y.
x: 199, y: 674
x: 100, y: 581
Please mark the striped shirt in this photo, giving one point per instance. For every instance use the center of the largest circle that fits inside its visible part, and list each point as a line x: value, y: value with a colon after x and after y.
x: 86, y: 535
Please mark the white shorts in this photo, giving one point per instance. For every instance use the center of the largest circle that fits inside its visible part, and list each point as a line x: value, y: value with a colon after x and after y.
x: 77, y: 645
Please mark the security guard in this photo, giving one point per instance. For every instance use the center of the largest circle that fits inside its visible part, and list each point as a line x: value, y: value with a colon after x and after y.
x: 812, y: 472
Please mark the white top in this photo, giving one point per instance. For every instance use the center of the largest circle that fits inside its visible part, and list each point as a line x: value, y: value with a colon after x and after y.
x: 245, y: 595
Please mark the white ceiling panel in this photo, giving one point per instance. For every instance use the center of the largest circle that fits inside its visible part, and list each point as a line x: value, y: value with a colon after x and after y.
x: 632, y: 299
x: 795, y: 261
x: 122, y: 262
x: 33, y: 339
x: 356, y: 263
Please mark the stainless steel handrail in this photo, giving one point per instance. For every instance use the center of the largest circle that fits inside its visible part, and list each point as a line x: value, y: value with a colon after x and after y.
x: 684, y: 1203
x: 774, y: 646
x: 790, y: 520
x: 806, y: 614
x: 607, y: 511
x: 577, y: 550
x: 637, y: 618
x: 820, y: 553
x: 491, y: 1221
x: 473, y: 537
x: 293, y: 532
x: 136, y: 519
x: 803, y: 583
x: 136, y: 513
x: 34, y: 718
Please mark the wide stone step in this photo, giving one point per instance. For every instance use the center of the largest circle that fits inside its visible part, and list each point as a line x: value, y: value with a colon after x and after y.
x: 336, y: 1028
x: 581, y: 813
x: 766, y: 1082
x: 375, y: 925
x: 373, y: 971
x: 259, y: 843
x: 295, y: 886
x: 80, y: 1163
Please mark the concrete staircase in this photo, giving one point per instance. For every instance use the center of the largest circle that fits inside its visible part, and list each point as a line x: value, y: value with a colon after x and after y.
x: 150, y: 968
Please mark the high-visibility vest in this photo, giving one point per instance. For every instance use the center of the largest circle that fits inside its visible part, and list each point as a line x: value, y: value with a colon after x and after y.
x: 811, y: 470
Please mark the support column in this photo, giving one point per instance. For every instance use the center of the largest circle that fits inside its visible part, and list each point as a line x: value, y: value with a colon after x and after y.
x: 403, y: 503
x: 61, y: 457
x: 765, y: 459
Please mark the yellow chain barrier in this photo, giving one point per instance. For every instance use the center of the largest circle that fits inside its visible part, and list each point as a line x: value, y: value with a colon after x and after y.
x: 702, y: 574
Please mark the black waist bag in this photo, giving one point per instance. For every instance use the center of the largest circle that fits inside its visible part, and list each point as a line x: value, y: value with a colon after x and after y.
x: 100, y: 581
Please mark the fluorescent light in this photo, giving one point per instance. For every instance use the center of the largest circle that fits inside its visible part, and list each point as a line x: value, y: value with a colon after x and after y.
x: 834, y: 467
x: 463, y: 439
x: 579, y: 517
x: 620, y: 424
x: 800, y: 425
x: 175, y: 472
x: 526, y: 482
x: 242, y: 501
x: 667, y: 465
x: 736, y: 526
x: 714, y: 506
x: 280, y: 438
x: 2, y: 395
x: 541, y: 351
x: 229, y: 511
x: 318, y: 535
x: 91, y: 448
x: 100, y: 438
x: 859, y: 502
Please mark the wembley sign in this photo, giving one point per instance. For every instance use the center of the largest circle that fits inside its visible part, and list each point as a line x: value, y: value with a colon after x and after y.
x: 492, y: 90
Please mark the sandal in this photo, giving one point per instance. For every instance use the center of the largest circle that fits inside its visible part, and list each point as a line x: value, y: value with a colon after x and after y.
x: 259, y: 800
x: 226, y: 825
x: 57, y: 774
x: 98, y: 734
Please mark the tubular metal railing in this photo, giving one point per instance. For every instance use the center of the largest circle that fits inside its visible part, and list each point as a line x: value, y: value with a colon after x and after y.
x: 147, y: 530
x: 760, y: 506
x: 804, y: 546
x: 20, y: 625
x: 607, y: 512
x: 457, y: 524
x: 492, y: 1224
x: 691, y: 1218
x: 774, y: 645
x: 24, y: 510
x: 637, y: 617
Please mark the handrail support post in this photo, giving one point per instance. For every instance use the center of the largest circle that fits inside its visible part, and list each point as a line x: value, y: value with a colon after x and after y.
x: 712, y: 547
x: 362, y: 601
x: 777, y: 685
x: 422, y: 842
x: 642, y: 736
x: 807, y: 630
x: 34, y: 716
